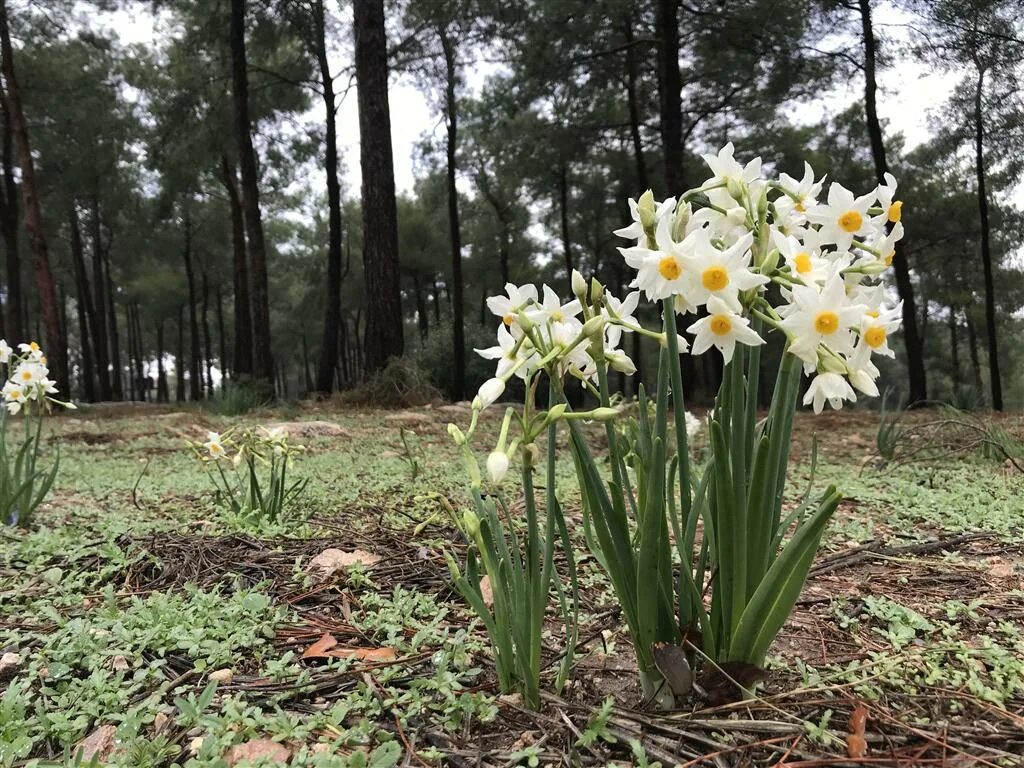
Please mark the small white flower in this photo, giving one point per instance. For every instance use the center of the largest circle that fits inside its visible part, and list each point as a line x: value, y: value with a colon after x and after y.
x: 815, y: 316
x: 214, y: 446
x: 831, y: 387
x: 722, y: 274
x: 31, y: 349
x: 721, y: 329
x: 552, y: 309
x: 843, y: 218
x: 509, y: 353
x: 488, y: 393
x: 803, y: 193
x: 507, y: 307
x: 497, y: 466
x: 5, y: 351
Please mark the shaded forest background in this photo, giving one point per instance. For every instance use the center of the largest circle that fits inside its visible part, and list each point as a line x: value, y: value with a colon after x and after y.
x: 171, y: 226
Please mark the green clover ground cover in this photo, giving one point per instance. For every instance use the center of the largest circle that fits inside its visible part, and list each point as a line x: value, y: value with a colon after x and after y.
x: 95, y: 651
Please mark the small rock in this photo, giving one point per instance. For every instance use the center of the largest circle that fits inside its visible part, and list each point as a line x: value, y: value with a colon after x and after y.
x: 222, y: 676
x: 195, y: 745
x: 256, y: 749
x: 486, y: 592
x: 320, y: 748
x: 97, y: 745
x: 511, y: 699
x: 10, y: 663
x: 120, y: 664
x: 328, y: 562
x: 160, y: 723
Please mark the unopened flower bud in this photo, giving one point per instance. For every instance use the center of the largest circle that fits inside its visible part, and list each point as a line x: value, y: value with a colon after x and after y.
x: 524, y: 321
x: 497, y: 466
x: 682, y: 218
x: 604, y: 414
x: 647, y: 210
x: 556, y: 412
x: 456, y: 434
x: 596, y: 291
x: 734, y: 188
x: 579, y: 285
x: 470, y: 523
x: 490, y: 391
x: 593, y: 325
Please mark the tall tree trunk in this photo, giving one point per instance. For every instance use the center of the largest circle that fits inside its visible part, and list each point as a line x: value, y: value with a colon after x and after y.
x: 332, y: 309
x: 306, y: 376
x: 972, y: 347
x: 15, y: 328
x: 670, y: 87
x: 47, y: 292
x: 422, y: 321
x: 911, y: 338
x: 195, y: 389
x: 345, y: 374
x: 141, y: 380
x: 86, y: 317
x: 163, y: 395
x: 179, y: 359
x: 130, y: 334
x: 435, y: 294
x: 241, y: 364
x: 221, y: 336
x: 207, y: 338
x: 634, y: 107
x: 383, y: 327
x: 954, y: 349
x: 458, y: 390
x: 263, y: 364
x: 115, y: 348
x: 563, y: 213
x: 994, y: 378
x: 96, y: 318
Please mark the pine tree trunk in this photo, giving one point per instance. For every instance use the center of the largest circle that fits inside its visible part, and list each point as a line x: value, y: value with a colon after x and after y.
x: 241, y: 365
x: 195, y: 389
x: 911, y: 338
x: 454, y: 229
x: 563, y: 212
x: 162, y: 393
x: 328, y: 361
x: 263, y: 364
x: 634, y: 109
x: 383, y: 327
x: 96, y: 318
x: 130, y: 338
x: 179, y: 359
x: 45, y: 286
x: 670, y: 86
x: 422, y: 321
x: 221, y: 337
x: 15, y: 327
x: 207, y: 338
x: 86, y: 317
x: 954, y: 349
x: 141, y: 380
x: 435, y: 294
x: 972, y: 346
x: 994, y: 378
x: 115, y: 348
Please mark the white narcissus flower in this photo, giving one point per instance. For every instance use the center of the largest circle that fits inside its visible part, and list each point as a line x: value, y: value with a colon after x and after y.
x: 489, y: 392
x: 497, y: 466
x: 31, y: 349
x: 725, y: 168
x: 892, y: 210
x: 805, y: 261
x: 508, y: 356
x: 876, y: 326
x: 660, y: 274
x: 14, y: 397
x: 619, y: 310
x: 803, y: 193
x: 843, y: 218
x: 551, y: 308
x: 214, y: 446
x: 830, y: 387
x: 635, y: 230
x: 861, y: 372
x: 722, y: 329
x: 721, y: 274
x: 5, y: 351
x: 822, y: 316
x: 507, y: 307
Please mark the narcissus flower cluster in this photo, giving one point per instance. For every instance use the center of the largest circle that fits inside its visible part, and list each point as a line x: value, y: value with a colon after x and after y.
x: 28, y: 379
x: 719, y: 251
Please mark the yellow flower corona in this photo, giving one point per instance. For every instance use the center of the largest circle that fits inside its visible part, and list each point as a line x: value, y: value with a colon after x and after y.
x: 826, y: 323
x: 802, y: 262
x: 507, y: 320
x: 721, y: 325
x: 851, y: 221
x: 669, y: 268
x: 715, y: 278
x: 896, y: 211
x: 875, y: 336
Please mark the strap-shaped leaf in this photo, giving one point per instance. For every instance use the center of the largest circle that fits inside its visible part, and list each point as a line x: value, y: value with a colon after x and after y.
x: 773, y: 600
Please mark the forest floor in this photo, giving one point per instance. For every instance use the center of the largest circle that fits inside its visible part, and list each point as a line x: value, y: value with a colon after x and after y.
x: 148, y: 628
